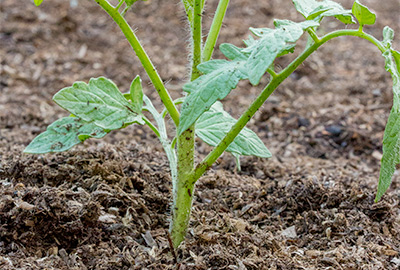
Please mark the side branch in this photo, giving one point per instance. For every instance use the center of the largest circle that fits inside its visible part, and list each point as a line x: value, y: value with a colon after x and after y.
x: 215, y: 29
x: 143, y: 57
x: 268, y: 90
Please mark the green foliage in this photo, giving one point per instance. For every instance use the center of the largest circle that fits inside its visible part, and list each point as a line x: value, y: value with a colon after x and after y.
x: 271, y: 44
x: 221, y: 76
x: 63, y: 134
x: 363, y: 14
x: 391, y: 138
x: 37, y: 2
x: 100, y: 107
x: 316, y: 10
x: 388, y: 35
x: 214, y: 124
x: 99, y: 102
x: 136, y: 94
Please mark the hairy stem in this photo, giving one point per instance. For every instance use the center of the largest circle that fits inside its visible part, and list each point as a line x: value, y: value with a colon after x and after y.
x: 183, y: 195
x: 268, y: 90
x: 215, y: 29
x: 143, y: 57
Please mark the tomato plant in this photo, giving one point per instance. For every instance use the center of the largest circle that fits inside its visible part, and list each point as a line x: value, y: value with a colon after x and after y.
x: 99, y: 107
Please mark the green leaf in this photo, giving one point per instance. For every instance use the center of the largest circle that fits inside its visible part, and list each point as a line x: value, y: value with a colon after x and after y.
x: 221, y: 76
x: 214, y: 124
x: 64, y: 134
x: 391, y: 138
x: 136, y: 93
x: 317, y: 10
x: 388, y: 35
x: 272, y: 43
x: 100, y: 102
x: 232, y: 52
x: 37, y: 2
x: 363, y: 14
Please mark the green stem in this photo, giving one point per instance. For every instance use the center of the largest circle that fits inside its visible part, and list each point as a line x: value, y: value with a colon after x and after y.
x: 183, y: 195
x: 162, y: 135
x: 215, y: 29
x: 272, y: 72
x: 268, y: 90
x: 313, y: 35
x: 121, y: 2
x: 151, y: 126
x: 143, y: 57
x: 196, y: 39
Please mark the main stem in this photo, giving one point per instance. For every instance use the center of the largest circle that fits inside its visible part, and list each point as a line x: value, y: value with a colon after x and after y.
x: 143, y: 57
x: 268, y: 90
x: 184, y: 188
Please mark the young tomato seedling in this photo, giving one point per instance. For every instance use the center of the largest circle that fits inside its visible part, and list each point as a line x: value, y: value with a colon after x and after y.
x: 98, y: 107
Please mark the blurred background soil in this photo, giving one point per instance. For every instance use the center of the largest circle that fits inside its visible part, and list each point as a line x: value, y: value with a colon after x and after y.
x: 105, y: 204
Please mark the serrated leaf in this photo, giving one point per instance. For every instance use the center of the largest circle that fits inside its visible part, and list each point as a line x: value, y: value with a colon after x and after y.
x: 63, y: 134
x: 136, y: 94
x: 272, y: 43
x: 391, y: 138
x: 37, y: 2
x: 221, y: 76
x: 232, y: 52
x: 363, y: 14
x: 214, y: 124
x: 100, y: 102
x: 317, y: 10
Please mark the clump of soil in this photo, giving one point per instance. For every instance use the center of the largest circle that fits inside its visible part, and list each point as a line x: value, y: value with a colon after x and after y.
x: 105, y: 204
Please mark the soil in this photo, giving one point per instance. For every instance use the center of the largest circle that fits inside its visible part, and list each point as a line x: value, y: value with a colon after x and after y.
x: 105, y: 204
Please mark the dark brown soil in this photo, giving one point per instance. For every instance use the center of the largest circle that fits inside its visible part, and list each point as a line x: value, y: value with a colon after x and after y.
x: 105, y: 204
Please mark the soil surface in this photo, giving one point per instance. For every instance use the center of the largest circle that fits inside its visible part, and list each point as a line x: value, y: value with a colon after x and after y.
x: 105, y: 204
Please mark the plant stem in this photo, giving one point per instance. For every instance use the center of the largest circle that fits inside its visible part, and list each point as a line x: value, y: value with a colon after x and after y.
x: 196, y: 40
x: 184, y: 188
x: 162, y: 135
x: 151, y: 126
x: 215, y: 29
x: 268, y: 90
x: 143, y: 57
x: 121, y: 2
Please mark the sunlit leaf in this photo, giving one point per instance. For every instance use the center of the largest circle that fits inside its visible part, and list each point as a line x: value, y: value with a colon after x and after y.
x: 316, y: 10
x: 100, y: 102
x: 363, y: 14
x: 272, y: 43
